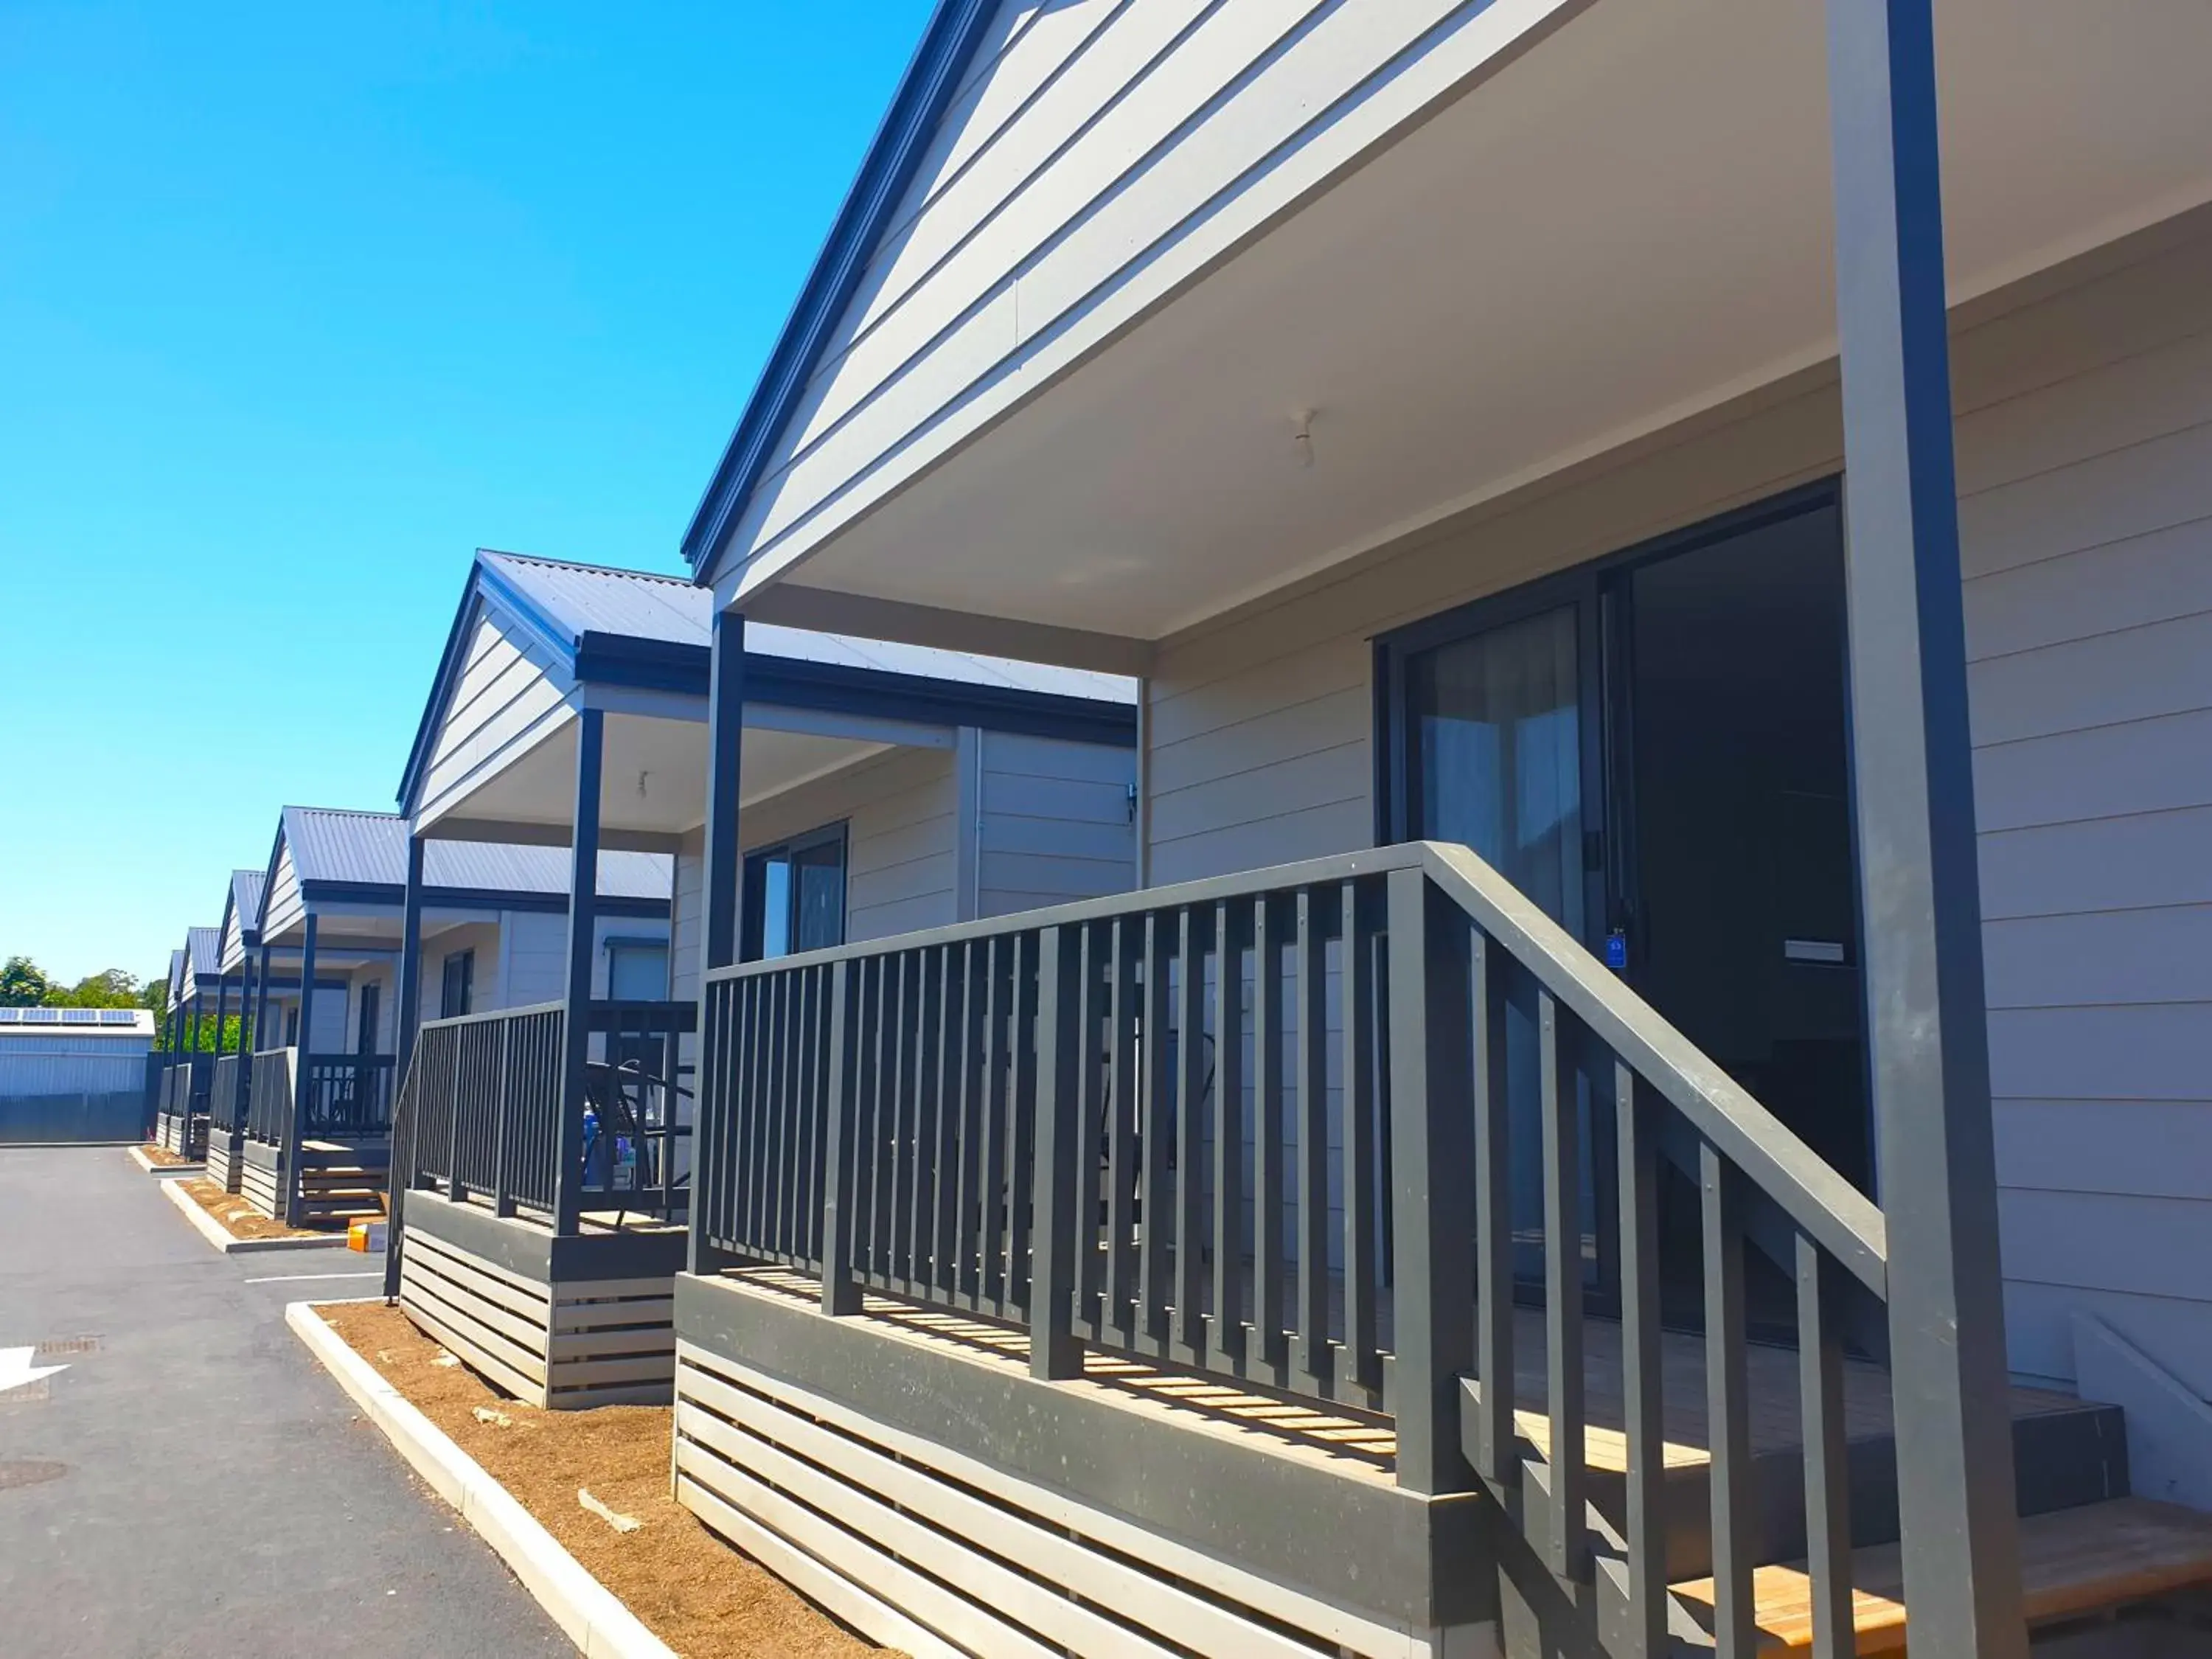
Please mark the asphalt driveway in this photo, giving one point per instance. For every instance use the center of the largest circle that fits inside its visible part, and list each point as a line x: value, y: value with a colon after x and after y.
x: 194, y: 1483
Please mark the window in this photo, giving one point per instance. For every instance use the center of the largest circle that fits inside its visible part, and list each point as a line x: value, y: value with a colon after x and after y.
x: 372, y: 1016
x: 794, y: 896
x: 637, y: 970
x: 292, y: 1028
x: 456, y: 984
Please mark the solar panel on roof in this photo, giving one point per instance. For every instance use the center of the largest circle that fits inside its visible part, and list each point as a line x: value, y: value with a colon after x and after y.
x: 41, y: 1016
x: 119, y: 1016
x: 79, y: 1016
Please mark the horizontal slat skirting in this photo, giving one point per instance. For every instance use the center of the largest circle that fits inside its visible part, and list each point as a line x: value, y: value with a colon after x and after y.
x: 581, y: 1292
x: 726, y: 1410
x: 631, y: 1340
x: 974, y: 1629
x: 516, y: 1295
x: 426, y: 1314
x: 1047, y: 1553
x: 434, y: 1300
x: 527, y: 1334
x: 855, y: 1603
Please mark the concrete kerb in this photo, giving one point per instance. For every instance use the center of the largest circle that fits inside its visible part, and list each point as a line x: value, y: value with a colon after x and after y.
x: 212, y: 1231
x: 586, y: 1611
x: 138, y: 1156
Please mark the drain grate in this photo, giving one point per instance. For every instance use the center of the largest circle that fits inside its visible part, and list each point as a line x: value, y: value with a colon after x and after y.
x: 29, y: 1472
x: 61, y: 1344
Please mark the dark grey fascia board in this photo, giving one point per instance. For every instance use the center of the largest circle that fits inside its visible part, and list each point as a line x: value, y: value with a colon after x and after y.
x: 460, y: 898
x: 956, y: 31
x: 844, y: 689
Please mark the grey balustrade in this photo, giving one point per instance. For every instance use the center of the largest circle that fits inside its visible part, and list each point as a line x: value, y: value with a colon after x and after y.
x: 1262, y: 1128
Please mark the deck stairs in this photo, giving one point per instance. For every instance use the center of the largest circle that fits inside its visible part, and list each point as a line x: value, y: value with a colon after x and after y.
x: 2094, y: 1558
x: 336, y: 1186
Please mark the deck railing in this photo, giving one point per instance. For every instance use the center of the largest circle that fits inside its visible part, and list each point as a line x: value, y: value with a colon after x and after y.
x: 480, y: 1112
x: 345, y: 1097
x: 185, y: 1084
x: 1310, y: 1129
x: 227, y: 1104
x: 268, y: 1099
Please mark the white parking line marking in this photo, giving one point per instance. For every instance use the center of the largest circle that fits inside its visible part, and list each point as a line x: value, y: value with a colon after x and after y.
x: 294, y: 1279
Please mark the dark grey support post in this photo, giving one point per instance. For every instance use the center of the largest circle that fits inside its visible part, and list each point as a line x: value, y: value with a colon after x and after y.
x: 261, y: 1001
x: 251, y: 994
x: 576, y: 1026
x: 1432, y: 1152
x: 410, y: 961
x: 301, y: 1074
x: 1913, y: 782
x: 721, y: 880
x: 1055, y: 1352
x: 222, y: 1012
x: 196, y: 1023
x: 841, y: 1291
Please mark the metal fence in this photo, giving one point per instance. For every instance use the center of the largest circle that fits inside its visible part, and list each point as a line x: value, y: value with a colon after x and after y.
x: 480, y: 1112
x: 1267, y: 1128
x: 269, y: 1103
x: 116, y: 1114
x: 227, y: 1102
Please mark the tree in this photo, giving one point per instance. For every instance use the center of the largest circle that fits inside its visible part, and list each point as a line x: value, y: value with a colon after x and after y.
x: 22, y: 985
x: 111, y: 987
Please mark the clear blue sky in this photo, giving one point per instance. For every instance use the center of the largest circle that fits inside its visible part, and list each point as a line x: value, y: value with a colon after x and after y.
x: 300, y: 304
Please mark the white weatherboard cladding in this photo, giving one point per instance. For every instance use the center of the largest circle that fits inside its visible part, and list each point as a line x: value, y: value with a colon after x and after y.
x: 511, y: 695
x: 1052, y: 822
x: 281, y: 907
x: 2085, y: 466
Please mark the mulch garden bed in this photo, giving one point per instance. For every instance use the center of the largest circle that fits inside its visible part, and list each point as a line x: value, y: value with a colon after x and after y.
x: 165, y: 1158
x: 695, y: 1592
x: 239, y: 1218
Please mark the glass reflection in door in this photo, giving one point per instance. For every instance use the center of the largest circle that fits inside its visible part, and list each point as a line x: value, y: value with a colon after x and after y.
x: 1494, y: 757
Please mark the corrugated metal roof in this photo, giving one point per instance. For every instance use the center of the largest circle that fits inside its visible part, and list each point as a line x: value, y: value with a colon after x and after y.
x: 205, y: 944
x: 246, y: 887
x: 338, y: 845
x: 176, y: 973
x: 586, y: 599
x: 76, y: 1022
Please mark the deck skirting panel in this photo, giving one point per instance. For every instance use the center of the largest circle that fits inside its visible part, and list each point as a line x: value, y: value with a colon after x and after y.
x: 922, y: 1543
x: 563, y: 1343
x: 225, y: 1161
x: 258, y: 1184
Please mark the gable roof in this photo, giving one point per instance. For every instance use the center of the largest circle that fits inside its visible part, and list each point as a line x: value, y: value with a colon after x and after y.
x: 338, y: 848
x: 204, y: 946
x: 637, y: 629
x: 176, y: 975
x: 246, y: 887
x: 956, y: 31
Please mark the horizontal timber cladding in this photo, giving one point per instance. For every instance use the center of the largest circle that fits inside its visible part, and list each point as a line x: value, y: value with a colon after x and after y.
x: 951, y: 1505
x: 553, y: 1322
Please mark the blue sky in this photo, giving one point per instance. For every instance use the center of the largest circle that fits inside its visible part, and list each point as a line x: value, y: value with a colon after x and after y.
x: 300, y: 304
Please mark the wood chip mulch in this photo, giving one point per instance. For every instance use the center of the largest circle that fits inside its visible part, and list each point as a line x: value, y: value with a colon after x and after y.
x: 695, y: 1592
x: 239, y: 1218
x: 163, y: 1156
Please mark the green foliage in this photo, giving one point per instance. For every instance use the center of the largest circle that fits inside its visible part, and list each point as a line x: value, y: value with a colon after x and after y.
x: 109, y: 988
x: 22, y: 985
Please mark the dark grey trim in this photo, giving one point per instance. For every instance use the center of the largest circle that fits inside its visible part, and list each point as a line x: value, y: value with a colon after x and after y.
x: 1357, y: 1542
x: 528, y: 1249
x: 394, y: 894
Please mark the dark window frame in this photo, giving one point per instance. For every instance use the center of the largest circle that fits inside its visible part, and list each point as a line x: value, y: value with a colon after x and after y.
x: 754, y: 880
x: 450, y: 983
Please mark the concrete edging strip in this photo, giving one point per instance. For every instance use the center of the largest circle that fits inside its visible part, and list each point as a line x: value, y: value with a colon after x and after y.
x: 138, y: 1156
x: 212, y: 1231
x: 586, y: 1610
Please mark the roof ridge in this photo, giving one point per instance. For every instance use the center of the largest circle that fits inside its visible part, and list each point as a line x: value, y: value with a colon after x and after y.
x: 580, y: 564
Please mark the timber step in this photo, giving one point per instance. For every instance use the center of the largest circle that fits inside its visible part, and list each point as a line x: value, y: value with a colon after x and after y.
x: 2073, y: 1562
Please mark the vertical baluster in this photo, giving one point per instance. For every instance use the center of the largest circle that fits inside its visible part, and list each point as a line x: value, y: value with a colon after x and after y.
x: 908, y: 1099
x: 823, y: 1072
x: 502, y: 1177
x: 1497, y: 1454
x: 921, y: 1190
x: 966, y: 1243
x: 1357, y: 1090
x: 1156, y: 1136
x: 1312, y: 1084
x: 775, y: 1115
x: 1021, y: 1121
x: 840, y: 1295
x: 1189, y: 1344
x: 882, y: 1124
x: 1643, y: 1422
x: 1054, y: 1177
x: 1827, y: 1491
x: 1122, y: 1156
x: 745, y: 1105
x: 1735, y: 1520
x: 1091, y: 1130
x: 997, y: 1017
x: 1225, y: 1330
x: 1566, y: 1543
x: 944, y: 1249
x: 1268, y: 1137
